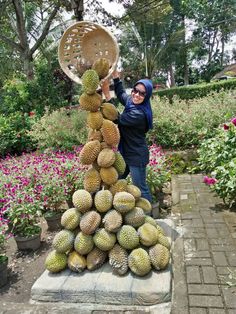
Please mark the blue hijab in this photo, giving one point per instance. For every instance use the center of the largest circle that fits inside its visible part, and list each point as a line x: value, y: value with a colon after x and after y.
x: 145, y: 106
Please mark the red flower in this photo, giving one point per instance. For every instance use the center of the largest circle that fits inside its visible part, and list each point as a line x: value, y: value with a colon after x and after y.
x: 234, y: 121
x: 31, y: 113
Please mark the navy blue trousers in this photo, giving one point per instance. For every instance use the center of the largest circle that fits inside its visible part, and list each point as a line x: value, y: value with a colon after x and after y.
x: 138, y: 175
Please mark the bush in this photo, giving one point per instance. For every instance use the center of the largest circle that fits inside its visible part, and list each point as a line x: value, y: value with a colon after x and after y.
x: 217, y: 157
x: 26, y: 96
x: 60, y: 130
x: 196, y: 91
x: 14, y: 134
x: 185, y: 124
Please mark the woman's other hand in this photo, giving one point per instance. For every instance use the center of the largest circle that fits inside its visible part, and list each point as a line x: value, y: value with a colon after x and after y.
x: 106, y: 89
x: 115, y: 74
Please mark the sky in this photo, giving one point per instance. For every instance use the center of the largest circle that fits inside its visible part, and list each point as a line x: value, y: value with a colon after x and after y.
x: 113, y: 8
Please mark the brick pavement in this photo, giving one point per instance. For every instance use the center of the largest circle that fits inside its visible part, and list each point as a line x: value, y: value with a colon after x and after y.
x: 204, y: 253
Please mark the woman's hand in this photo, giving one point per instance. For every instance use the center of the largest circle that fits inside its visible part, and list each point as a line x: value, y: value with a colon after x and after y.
x: 105, y: 86
x: 115, y: 74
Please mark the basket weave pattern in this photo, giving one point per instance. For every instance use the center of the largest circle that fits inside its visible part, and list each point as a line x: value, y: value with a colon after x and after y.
x: 82, y: 44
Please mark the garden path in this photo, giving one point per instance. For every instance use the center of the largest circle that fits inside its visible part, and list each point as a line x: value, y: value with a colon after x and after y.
x: 204, y: 257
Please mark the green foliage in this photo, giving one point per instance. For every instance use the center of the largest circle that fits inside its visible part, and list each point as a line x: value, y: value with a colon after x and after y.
x: 60, y: 130
x: 35, y: 95
x: 185, y: 124
x: 196, y: 91
x: 13, y: 134
x: 217, y: 157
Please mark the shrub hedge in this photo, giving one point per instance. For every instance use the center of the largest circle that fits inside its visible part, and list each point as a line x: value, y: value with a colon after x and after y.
x: 184, y: 124
x: 196, y: 91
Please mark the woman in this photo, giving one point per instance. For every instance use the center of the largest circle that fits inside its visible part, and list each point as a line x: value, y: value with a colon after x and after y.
x: 134, y: 123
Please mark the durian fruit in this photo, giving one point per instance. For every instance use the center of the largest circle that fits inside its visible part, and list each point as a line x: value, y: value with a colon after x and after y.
x: 135, y: 217
x: 63, y: 241
x: 148, y: 234
x: 112, y: 220
x: 105, y: 145
x: 94, y: 135
x: 139, y: 262
x: 160, y: 230
x: 104, y: 240
x: 163, y: 240
x: 90, y: 102
x: 109, y: 111
x: 134, y: 190
x: 90, y: 81
x: 103, y: 200
x: 90, y: 222
x: 106, y: 158
x: 76, y: 262
x: 123, y: 202
x: 82, y: 200
x: 118, y: 259
x: 119, y: 186
x: 55, y: 261
x: 119, y: 163
x: 159, y: 256
x: 144, y: 204
x: 70, y: 219
x: 83, y: 243
x: 96, y: 166
x: 101, y: 66
x: 94, y: 120
x: 150, y: 220
x: 128, y: 237
x: 96, y: 258
x: 109, y: 175
x: 89, y: 152
x: 110, y: 132
x: 92, y: 180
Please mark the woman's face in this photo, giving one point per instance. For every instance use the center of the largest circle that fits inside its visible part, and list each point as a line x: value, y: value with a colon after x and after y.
x: 138, y: 94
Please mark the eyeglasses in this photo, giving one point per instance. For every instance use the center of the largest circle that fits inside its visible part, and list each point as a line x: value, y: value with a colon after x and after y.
x: 139, y: 92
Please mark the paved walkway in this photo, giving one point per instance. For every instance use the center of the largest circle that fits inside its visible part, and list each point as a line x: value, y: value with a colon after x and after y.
x: 205, y: 253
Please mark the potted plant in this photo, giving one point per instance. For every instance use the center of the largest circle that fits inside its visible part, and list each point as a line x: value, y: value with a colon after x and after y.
x: 23, y: 211
x: 53, y: 196
x: 3, y: 257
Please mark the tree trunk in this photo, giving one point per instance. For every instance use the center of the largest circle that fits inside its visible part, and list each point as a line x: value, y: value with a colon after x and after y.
x: 172, y: 77
x: 222, y: 51
x: 28, y: 66
x: 78, y: 7
x: 185, y: 54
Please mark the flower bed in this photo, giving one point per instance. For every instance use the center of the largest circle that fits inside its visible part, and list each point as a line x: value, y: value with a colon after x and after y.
x: 34, y: 184
x: 217, y: 157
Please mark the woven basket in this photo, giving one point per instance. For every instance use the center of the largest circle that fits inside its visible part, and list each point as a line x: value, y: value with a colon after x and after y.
x: 82, y: 44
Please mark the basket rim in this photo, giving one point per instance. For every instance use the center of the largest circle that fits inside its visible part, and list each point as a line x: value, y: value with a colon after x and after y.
x: 70, y: 74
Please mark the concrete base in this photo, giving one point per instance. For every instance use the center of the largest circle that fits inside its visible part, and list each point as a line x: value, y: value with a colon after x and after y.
x: 102, y: 287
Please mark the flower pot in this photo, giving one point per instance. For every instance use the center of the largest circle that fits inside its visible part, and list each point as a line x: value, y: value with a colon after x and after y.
x: 3, y: 273
x: 28, y: 243
x: 54, y: 222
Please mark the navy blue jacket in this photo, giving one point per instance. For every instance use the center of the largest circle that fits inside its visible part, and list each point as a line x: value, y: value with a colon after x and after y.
x: 133, y: 128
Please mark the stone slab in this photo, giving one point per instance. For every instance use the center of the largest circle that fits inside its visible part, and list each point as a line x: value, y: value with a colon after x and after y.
x: 103, y: 287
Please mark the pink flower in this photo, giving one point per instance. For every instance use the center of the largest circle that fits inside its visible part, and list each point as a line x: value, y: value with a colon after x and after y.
x: 234, y: 121
x: 226, y: 127
x: 209, y: 181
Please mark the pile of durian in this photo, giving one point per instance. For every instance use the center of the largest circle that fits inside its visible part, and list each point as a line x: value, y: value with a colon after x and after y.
x: 110, y: 219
